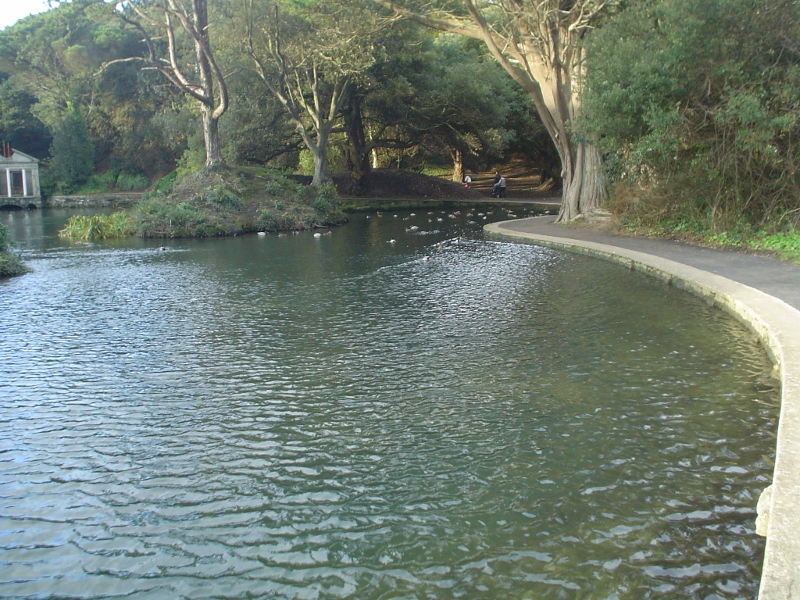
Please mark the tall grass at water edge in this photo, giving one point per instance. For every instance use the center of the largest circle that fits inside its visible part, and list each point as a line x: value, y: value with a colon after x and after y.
x: 98, y: 227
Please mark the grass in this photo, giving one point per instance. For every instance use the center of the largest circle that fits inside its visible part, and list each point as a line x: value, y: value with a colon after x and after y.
x: 98, y: 227
x: 740, y: 236
x: 786, y: 244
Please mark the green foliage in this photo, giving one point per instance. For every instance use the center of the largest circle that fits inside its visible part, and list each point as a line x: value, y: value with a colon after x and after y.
x: 699, y: 114
x: 326, y: 199
x: 222, y: 197
x: 227, y: 201
x: 10, y: 264
x: 163, y: 186
x: 162, y: 218
x: 337, y: 159
x: 72, y: 152
x: 131, y: 181
x: 18, y: 126
x: 193, y: 158
x: 444, y: 94
x: 98, y: 227
x: 785, y: 244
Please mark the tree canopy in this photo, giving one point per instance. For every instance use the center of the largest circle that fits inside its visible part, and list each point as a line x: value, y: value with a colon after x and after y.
x: 688, y: 107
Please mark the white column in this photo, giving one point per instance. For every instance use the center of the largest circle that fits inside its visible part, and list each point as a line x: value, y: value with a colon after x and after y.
x: 8, y: 181
x: 35, y: 177
x: 24, y: 185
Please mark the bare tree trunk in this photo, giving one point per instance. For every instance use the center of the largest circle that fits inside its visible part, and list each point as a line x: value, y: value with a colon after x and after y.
x: 211, y: 138
x: 585, y: 185
x: 200, y: 79
x: 320, y: 153
x: 458, y: 165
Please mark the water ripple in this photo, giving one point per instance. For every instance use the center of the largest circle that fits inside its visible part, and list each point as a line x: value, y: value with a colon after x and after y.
x: 287, y: 417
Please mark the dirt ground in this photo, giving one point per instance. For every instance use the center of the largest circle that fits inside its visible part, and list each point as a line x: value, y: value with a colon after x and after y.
x: 524, y: 182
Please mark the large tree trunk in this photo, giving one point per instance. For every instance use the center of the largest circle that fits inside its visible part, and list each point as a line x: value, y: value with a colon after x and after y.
x: 359, y: 155
x: 458, y: 165
x: 540, y: 45
x: 320, y: 153
x: 208, y: 74
x: 211, y: 138
x: 584, y: 181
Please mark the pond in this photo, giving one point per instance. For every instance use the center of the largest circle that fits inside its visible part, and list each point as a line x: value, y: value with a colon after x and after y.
x: 394, y: 409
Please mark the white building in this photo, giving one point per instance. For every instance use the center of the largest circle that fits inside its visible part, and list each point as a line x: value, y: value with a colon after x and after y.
x: 19, y: 178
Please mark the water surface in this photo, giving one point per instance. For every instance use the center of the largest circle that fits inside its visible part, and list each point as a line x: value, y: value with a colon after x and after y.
x: 350, y: 417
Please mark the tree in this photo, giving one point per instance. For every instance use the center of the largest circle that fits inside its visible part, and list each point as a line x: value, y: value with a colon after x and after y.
x: 50, y: 59
x: 540, y: 44
x: 72, y: 152
x: 462, y: 107
x: 206, y: 85
x: 18, y: 126
x: 307, y: 57
x: 430, y: 97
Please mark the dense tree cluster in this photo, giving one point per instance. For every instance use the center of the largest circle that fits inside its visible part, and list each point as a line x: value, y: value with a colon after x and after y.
x: 102, y: 91
x: 688, y: 107
x: 697, y: 109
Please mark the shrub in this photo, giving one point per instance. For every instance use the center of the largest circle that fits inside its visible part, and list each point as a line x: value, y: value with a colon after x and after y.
x: 131, y: 181
x: 786, y: 244
x: 223, y: 197
x: 10, y: 264
x: 163, y: 186
x: 274, y: 188
x: 160, y: 218
x: 687, y: 101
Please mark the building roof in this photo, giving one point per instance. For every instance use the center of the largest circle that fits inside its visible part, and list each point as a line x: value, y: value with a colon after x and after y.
x: 18, y: 158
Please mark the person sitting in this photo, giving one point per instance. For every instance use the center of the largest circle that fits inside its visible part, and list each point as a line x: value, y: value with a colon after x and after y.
x: 467, y: 180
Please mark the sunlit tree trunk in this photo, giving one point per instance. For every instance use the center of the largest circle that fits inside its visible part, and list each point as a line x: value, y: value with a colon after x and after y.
x: 458, y: 165
x: 204, y: 80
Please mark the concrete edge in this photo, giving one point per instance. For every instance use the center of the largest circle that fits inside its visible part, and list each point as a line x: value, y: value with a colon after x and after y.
x: 777, y: 326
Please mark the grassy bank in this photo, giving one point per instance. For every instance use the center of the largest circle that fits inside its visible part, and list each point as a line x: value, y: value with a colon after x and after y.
x: 216, y: 202
x: 10, y: 264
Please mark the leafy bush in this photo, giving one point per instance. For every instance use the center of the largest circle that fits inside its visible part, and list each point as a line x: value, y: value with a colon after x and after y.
x: 222, y: 197
x: 161, y: 218
x: 786, y: 244
x: 10, y: 264
x: 695, y: 110
x: 131, y: 181
x: 274, y: 188
x: 163, y: 186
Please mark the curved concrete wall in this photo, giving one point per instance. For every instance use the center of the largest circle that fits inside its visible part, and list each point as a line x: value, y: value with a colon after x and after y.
x: 777, y: 325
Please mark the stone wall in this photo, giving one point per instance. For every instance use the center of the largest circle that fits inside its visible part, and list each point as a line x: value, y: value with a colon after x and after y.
x: 120, y: 200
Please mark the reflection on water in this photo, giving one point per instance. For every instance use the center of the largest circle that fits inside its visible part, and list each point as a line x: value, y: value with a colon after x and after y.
x: 341, y: 416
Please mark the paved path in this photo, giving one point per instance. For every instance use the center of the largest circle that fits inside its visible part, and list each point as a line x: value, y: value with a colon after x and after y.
x: 765, y: 294
x: 772, y: 276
